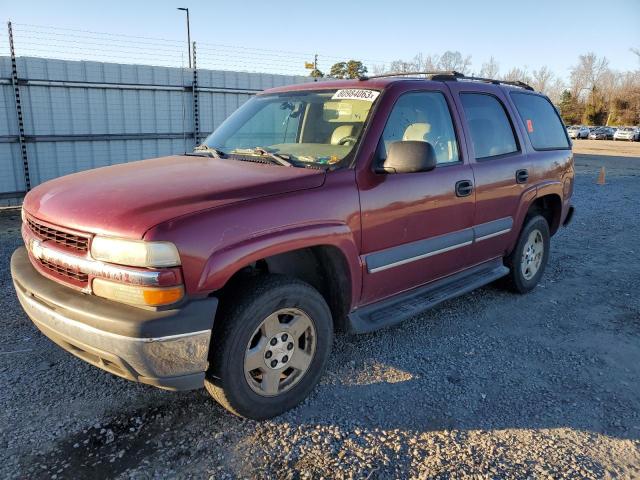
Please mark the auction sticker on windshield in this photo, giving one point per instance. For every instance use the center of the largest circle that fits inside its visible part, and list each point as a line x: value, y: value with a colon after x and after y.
x: 355, y: 94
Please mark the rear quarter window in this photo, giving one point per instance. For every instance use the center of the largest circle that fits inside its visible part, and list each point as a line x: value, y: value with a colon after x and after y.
x: 491, y: 131
x: 541, y: 121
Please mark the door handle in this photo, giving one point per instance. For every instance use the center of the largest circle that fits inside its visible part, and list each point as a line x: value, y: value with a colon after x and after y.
x: 464, y: 188
x: 522, y: 176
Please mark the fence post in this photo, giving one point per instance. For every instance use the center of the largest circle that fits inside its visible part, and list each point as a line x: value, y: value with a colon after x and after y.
x: 16, y: 94
x: 196, y: 108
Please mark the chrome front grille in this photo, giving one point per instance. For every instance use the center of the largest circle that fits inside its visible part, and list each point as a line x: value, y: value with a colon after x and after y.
x: 60, y: 237
x: 64, y: 271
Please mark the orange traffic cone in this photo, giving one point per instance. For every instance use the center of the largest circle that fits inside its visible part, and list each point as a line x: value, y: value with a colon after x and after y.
x: 601, y: 177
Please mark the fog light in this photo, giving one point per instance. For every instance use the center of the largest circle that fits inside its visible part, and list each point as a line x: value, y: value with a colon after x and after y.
x: 137, y: 295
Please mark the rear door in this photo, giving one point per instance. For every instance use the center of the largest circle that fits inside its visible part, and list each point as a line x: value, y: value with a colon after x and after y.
x: 500, y: 165
x: 415, y: 228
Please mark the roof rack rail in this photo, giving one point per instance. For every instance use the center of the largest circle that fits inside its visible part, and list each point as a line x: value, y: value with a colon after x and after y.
x: 435, y: 73
x: 451, y: 75
x: 515, y: 83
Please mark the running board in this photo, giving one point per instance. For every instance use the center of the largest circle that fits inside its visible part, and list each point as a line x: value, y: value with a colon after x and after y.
x: 407, y: 304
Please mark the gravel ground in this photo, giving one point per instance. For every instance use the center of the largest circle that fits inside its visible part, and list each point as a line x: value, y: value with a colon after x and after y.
x: 488, y: 385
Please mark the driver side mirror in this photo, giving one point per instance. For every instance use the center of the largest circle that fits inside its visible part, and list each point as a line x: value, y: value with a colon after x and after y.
x: 409, y: 156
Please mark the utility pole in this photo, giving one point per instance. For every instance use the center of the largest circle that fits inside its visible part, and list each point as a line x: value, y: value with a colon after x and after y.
x: 313, y: 67
x: 188, y: 33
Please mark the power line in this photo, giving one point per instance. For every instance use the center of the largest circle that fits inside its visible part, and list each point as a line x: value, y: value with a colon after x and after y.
x: 98, y: 33
x: 89, y: 40
x: 109, y: 50
x: 44, y: 40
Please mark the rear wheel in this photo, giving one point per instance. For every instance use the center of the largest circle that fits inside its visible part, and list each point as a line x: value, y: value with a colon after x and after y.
x: 271, y: 347
x: 529, y: 258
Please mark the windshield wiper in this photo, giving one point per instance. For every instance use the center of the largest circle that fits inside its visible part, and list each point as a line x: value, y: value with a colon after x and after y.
x: 278, y: 158
x: 211, y: 151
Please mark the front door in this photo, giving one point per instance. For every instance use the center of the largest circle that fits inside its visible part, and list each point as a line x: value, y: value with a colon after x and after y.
x: 415, y: 226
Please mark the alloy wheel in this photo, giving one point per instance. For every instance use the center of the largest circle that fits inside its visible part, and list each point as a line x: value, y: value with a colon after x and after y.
x: 532, y: 255
x: 280, y: 352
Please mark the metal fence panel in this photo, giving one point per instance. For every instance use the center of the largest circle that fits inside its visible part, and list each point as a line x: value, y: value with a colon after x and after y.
x: 11, y: 175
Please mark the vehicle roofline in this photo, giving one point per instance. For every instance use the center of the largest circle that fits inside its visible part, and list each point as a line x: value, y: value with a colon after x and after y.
x: 383, y: 83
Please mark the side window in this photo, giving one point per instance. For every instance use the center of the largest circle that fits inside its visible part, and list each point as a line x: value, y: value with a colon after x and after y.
x: 491, y: 130
x: 425, y: 117
x: 543, y: 125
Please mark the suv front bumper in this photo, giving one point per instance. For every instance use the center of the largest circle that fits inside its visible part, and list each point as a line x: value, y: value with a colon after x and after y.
x: 165, y: 348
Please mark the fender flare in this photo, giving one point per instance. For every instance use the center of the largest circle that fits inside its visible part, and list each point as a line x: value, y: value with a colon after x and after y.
x: 224, y: 263
x: 526, y: 200
x: 529, y: 196
x: 550, y: 187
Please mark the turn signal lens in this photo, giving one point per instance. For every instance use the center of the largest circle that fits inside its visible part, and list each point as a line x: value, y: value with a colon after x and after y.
x: 164, y: 296
x: 135, y: 253
x: 136, y: 294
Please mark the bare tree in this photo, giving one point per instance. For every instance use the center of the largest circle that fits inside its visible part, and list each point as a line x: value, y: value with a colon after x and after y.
x: 419, y: 63
x: 490, y: 69
x: 517, y: 75
x: 555, y: 89
x: 426, y: 63
x: 379, y: 69
x: 454, y: 61
x: 402, y: 66
x: 595, y: 94
x: 588, y: 73
x: 541, y: 79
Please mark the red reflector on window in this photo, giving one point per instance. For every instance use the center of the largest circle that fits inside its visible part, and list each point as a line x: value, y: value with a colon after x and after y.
x: 530, y: 126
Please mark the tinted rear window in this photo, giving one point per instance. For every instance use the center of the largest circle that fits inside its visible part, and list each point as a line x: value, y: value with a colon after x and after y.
x: 541, y: 121
x: 491, y: 130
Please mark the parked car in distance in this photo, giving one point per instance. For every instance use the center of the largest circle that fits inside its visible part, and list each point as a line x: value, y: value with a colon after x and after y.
x: 631, y: 134
x: 602, y: 133
x: 578, y: 131
x: 342, y: 205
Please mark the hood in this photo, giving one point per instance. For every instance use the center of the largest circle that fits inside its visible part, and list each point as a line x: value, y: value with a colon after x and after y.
x: 128, y: 199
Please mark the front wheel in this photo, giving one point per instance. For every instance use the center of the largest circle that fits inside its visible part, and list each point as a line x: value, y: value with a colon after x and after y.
x: 270, y: 348
x: 529, y: 258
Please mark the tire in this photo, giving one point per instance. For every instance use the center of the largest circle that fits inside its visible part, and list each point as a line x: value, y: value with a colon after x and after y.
x: 252, y: 317
x: 519, y: 279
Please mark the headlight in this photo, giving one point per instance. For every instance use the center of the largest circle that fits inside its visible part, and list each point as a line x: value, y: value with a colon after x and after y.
x: 135, y: 253
x: 135, y: 294
x: 23, y: 215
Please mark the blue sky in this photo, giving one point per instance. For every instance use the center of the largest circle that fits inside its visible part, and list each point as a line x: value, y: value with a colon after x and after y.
x: 520, y: 34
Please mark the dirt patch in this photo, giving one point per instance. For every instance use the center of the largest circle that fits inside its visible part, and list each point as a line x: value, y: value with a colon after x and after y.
x: 607, y: 148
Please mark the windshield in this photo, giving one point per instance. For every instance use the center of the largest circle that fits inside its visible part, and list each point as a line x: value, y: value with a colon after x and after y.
x: 309, y: 127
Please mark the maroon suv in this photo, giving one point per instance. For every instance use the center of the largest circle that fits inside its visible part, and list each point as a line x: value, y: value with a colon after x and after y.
x: 346, y: 205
